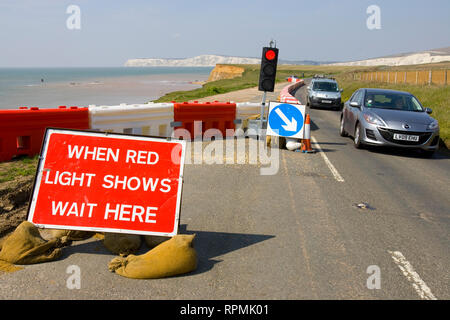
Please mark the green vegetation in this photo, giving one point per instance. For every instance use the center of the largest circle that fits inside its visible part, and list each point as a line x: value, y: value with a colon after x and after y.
x: 249, y: 79
x: 9, y: 171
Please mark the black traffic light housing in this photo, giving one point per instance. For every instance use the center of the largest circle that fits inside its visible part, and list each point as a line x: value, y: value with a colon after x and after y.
x: 268, y: 71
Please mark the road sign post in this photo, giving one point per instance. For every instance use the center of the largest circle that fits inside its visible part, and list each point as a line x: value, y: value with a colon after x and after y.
x: 102, y: 182
x: 263, y: 107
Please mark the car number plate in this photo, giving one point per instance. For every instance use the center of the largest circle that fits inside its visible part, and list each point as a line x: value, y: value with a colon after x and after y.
x: 326, y: 101
x: 405, y: 137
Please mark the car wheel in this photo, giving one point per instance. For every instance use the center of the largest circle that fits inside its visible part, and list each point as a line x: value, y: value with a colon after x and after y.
x: 357, y: 138
x: 428, y: 153
x: 307, y: 101
x: 341, y: 128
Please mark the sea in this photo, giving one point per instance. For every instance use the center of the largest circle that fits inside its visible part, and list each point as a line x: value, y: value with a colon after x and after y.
x: 53, y: 87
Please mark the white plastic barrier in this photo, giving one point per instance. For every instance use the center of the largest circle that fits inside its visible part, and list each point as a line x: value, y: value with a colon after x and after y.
x: 245, y: 110
x: 153, y: 119
x: 293, y: 144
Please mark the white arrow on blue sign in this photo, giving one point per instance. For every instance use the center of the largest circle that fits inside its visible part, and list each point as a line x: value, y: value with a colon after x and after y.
x: 286, y: 120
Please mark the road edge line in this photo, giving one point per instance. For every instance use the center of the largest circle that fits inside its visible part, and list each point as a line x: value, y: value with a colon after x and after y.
x: 333, y: 170
x: 408, y: 271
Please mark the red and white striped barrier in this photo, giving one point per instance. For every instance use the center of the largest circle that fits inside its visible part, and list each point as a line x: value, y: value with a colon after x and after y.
x: 294, y: 79
x: 160, y: 119
x: 152, y: 119
x: 286, y: 93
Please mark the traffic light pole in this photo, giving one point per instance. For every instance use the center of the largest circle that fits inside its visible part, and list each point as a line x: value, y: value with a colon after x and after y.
x: 267, y: 76
x: 263, y: 106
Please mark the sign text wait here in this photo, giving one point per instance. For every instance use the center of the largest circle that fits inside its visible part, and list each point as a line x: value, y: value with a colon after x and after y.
x: 108, y: 183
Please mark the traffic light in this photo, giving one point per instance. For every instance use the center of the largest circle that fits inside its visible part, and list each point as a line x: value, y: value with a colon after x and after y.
x: 268, y: 71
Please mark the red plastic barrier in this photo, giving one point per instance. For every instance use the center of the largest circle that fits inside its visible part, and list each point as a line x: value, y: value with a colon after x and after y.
x: 215, y: 115
x: 22, y: 130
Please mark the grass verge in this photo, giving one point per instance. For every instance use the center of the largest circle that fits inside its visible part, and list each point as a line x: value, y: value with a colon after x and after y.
x: 249, y: 79
x: 26, y: 166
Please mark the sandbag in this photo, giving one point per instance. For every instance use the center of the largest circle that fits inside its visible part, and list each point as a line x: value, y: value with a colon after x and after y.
x: 72, y: 235
x: 153, y: 241
x: 172, y: 257
x: 26, y: 246
x: 121, y: 243
x: 8, y: 267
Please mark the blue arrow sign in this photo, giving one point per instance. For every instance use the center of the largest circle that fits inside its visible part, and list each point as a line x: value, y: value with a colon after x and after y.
x: 286, y: 120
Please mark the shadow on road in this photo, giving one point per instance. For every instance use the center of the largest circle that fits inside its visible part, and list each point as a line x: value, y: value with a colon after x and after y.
x: 313, y: 126
x: 334, y: 143
x: 210, y: 245
x: 326, y: 109
x: 408, y: 153
x: 91, y: 246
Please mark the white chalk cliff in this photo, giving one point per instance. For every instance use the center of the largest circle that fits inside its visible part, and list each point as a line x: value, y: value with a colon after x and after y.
x: 199, y: 61
x: 431, y: 56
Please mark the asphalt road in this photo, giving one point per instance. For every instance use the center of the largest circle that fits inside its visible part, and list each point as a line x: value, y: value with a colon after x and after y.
x: 297, y: 234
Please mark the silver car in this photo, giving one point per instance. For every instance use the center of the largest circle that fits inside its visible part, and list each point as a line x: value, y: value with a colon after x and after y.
x: 323, y: 92
x: 384, y: 117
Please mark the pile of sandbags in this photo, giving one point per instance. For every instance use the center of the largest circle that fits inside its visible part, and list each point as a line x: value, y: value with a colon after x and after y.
x: 166, y: 257
x: 153, y: 241
x: 72, y: 235
x: 121, y: 243
x: 172, y: 257
x: 26, y: 246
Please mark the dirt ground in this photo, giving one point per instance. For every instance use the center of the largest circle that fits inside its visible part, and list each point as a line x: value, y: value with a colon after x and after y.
x: 14, y: 197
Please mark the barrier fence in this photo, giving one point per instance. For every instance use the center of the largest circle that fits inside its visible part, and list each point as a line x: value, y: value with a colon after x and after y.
x: 23, y: 129
x: 418, y: 77
x: 286, y: 94
x: 213, y: 115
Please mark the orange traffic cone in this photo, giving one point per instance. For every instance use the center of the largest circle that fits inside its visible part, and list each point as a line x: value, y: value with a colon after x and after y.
x: 306, y: 142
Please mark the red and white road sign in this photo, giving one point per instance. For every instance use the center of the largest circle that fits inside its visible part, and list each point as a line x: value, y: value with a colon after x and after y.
x: 108, y: 182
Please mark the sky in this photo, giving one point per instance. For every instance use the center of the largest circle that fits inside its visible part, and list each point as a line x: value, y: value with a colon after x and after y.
x: 34, y: 33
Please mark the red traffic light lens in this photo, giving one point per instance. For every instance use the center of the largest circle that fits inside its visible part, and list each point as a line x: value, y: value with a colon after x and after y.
x: 270, y: 54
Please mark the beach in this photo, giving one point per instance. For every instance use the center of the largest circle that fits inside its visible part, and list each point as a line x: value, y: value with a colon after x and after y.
x: 53, y: 87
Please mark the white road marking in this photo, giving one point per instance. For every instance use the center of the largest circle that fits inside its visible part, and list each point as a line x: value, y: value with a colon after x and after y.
x: 333, y: 170
x: 408, y: 271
